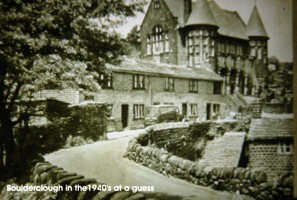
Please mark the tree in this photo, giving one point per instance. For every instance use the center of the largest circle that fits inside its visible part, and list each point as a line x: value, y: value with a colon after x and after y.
x: 133, y: 39
x: 274, y: 61
x: 53, y: 44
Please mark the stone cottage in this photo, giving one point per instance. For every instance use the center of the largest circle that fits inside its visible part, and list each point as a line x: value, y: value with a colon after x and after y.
x: 136, y: 84
x: 270, y: 143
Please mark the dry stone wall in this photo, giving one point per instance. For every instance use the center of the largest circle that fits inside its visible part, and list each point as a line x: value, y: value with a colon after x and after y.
x: 46, y: 174
x: 252, y: 182
x: 57, y: 180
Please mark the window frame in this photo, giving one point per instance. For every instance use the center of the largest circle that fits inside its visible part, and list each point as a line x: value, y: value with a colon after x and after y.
x: 285, y: 148
x: 193, y: 86
x: 157, y: 5
x: 217, y: 87
x: 106, y: 81
x: 138, y: 111
x: 137, y: 85
x: 193, y: 107
x: 169, y: 84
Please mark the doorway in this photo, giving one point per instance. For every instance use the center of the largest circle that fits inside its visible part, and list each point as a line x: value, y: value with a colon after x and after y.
x: 125, y: 115
x: 208, y: 111
x: 184, y: 109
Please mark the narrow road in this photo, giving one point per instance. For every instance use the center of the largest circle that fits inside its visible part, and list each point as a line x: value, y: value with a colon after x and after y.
x: 104, y: 161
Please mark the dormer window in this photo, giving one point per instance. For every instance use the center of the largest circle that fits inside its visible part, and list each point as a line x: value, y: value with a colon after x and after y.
x: 157, y: 5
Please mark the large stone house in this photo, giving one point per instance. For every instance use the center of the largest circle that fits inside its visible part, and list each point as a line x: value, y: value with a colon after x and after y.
x: 194, y: 55
x: 201, y: 34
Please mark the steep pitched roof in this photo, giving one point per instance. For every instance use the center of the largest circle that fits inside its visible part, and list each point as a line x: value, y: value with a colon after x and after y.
x: 255, y: 25
x: 177, y: 9
x: 201, y: 14
x: 271, y: 127
x: 144, y: 67
x: 210, y: 13
x: 229, y: 23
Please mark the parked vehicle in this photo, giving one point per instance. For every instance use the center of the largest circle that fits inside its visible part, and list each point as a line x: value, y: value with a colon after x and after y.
x: 161, y: 113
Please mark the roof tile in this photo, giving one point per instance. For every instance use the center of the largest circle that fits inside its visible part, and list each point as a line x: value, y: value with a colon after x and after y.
x: 145, y: 67
x: 271, y: 128
x: 224, y: 151
x: 255, y: 25
x: 201, y: 14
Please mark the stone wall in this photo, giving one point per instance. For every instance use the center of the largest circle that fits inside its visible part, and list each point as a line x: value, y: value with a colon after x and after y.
x: 46, y: 174
x: 248, y: 181
x: 153, y: 93
x: 267, y: 156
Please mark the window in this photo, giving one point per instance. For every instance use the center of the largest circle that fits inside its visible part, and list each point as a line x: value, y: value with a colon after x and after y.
x: 200, y: 46
x: 260, y: 53
x: 157, y: 39
x: 193, y: 86
x: 105, y: 81
x: 253, y: 52
x: 138, y: 81
x: 149, y: 46
x: 157, y: 5
x: 169, y: 84
x: 286, y: 147
x: 138, y: 111
x: 89, y: 98
x: 193, y: 109
x: 109, y: 108
x: 216, y: 111
x: 217, y: 87
x: 166, y: 42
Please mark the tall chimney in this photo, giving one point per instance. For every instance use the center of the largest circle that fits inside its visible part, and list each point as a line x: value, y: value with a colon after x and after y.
x: 187, y: 9
x: 256, y: 109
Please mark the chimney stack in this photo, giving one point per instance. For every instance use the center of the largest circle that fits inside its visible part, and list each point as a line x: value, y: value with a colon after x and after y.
x: 256, y: 109
x: 187, y: 9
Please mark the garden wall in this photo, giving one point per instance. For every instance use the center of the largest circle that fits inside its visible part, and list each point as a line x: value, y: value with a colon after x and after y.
x: 47, y: 174
x: 71, y: 186
x: 252, y: 182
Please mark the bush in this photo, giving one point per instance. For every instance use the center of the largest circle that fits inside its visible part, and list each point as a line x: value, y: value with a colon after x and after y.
x: 77, y: 141
x: 88, y: 120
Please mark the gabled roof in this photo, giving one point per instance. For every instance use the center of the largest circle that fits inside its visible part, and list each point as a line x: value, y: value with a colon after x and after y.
x: 229, y: 23
x: 255, y: 25
x: 177, y: 9
x: 271, y: 127
x: 135, y: 66
x: 201, y: 14
x: 208, y: 12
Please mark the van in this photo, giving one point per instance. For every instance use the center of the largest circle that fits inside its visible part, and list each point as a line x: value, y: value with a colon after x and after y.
x: 161, y: 113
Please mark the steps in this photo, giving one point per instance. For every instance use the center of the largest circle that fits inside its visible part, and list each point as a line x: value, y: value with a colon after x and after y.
x: 239, y: 100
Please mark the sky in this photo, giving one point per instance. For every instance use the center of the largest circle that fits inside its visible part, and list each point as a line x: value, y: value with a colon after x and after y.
x: 276, y: 16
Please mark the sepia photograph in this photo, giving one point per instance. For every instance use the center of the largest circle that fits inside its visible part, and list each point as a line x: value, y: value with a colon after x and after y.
x: 147, y: 100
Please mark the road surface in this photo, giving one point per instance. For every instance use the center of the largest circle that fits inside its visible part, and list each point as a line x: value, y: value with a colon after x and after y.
x: 104, y: 161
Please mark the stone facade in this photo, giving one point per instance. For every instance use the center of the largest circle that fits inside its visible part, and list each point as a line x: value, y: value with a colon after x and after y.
x: 124, y: 98
x: 270, y: 144
x: 266, y: 155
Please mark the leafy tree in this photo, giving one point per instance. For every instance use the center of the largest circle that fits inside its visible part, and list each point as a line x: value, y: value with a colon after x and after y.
x: 53, y: 44
x: 133, y: 39
x: 274, y: 61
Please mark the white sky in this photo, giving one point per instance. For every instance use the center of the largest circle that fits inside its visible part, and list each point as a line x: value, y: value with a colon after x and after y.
x: 276, y: 16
